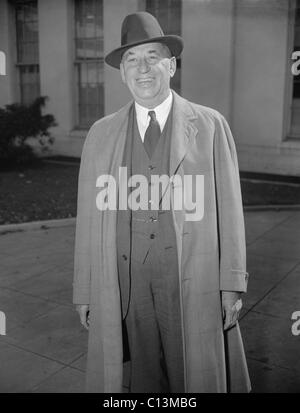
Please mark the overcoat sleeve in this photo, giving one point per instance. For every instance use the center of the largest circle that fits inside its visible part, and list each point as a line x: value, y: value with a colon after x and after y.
x: 233, y: 275
x: 85, y: 202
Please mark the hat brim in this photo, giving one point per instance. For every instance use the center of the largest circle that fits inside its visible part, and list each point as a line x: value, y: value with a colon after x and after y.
x: 174, y: 43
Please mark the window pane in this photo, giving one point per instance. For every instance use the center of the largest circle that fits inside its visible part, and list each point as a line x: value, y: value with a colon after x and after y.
x: 27, y: 32
x: 90, y: 92
x: 168, y: 13
x: 89, y: 60
x: 89, y: 48
x: 28, y: 49
x: 29, y: 83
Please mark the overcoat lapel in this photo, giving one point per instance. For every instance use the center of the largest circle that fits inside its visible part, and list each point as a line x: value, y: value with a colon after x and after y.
x: 183, y: 132
x: 113, y: 148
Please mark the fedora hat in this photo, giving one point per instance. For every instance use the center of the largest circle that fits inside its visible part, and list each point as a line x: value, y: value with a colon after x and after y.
x: 139, y: 28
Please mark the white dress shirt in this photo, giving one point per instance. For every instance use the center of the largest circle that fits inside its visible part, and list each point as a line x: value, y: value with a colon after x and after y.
x: 161, y: 111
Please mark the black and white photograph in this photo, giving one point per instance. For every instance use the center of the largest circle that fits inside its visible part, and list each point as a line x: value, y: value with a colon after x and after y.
x: 149, y: 199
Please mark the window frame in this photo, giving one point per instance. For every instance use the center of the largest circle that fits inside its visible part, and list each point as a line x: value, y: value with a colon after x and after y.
x: 83, y: 120
x: 22, y: 61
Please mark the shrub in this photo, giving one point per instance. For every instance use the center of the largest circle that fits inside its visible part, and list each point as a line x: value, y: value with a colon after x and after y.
x: 20, y: 122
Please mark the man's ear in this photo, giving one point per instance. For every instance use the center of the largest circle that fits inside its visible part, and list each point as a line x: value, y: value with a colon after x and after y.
x: 173, y: 66
x: 122, y: 71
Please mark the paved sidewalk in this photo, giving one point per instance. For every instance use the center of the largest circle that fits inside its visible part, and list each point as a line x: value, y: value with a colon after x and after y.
x: 44, y: 349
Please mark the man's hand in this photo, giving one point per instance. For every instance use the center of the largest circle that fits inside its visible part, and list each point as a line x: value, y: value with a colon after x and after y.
x: 84, y: 314
x: 230, y: 310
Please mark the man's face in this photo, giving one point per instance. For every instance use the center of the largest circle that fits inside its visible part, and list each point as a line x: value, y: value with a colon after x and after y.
x: 146, y: 70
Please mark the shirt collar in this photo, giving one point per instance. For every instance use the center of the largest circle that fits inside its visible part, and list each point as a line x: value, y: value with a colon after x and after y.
x: 161, y: 111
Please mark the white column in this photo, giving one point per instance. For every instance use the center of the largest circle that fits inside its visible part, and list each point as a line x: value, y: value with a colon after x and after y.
x: 207, y: 29
x: 263, y: 69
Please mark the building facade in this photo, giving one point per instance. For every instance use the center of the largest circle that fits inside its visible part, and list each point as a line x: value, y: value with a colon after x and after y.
x: 237, y: 59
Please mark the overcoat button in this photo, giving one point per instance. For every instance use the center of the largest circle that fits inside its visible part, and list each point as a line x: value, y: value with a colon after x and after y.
x: 125, y: 257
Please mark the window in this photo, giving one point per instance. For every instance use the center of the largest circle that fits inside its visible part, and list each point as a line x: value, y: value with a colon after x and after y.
x: 28, y: 50
x: 89, y: 61
x: 168, y: 13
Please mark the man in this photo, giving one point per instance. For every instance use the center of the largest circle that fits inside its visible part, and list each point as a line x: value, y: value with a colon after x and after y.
x: 168, y: 280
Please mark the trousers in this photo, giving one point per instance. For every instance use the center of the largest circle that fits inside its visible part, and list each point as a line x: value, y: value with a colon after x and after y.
x: 153, y: 324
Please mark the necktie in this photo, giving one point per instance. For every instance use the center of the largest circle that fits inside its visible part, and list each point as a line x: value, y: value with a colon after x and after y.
x: 152, y: 134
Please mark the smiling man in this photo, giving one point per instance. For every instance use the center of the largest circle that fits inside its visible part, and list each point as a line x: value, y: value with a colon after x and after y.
x: 150, y: 279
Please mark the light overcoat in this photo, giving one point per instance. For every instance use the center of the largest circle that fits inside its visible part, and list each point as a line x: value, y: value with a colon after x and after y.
x: 211, y: 251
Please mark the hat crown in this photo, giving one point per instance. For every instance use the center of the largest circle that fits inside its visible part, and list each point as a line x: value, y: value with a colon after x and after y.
x: 139, y: 26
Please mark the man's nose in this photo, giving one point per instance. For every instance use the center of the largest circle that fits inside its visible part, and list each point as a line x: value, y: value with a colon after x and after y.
x: 143, y: 65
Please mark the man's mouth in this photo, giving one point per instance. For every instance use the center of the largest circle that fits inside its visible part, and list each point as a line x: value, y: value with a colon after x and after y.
x: 144, y: 82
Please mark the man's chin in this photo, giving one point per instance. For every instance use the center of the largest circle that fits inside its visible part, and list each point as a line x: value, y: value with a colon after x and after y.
x: 146, y: 93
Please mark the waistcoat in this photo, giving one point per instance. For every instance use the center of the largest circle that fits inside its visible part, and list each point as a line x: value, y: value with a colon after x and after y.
x: 138, y: 230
